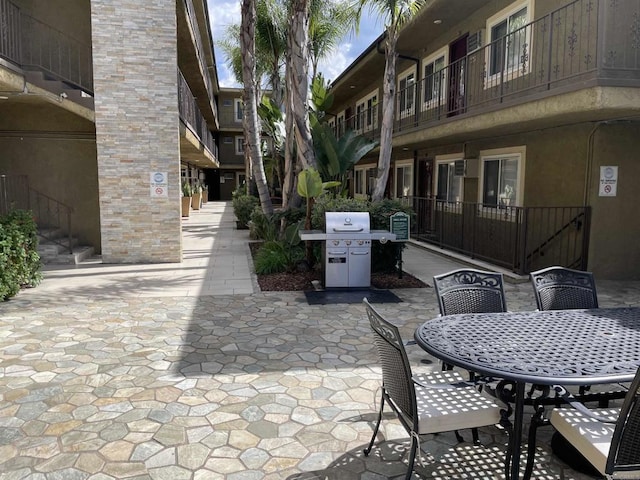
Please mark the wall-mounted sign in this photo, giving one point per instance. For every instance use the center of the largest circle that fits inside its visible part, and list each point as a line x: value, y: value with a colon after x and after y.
x: 159, y: 184
x: 608, y: 181
x: 399, y: 224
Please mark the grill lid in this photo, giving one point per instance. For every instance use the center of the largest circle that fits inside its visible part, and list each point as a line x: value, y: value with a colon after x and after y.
x: 347, y: 224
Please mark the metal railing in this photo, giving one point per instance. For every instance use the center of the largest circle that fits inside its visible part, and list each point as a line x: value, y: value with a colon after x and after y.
x: 189, y: 7
x: 192, y: 117
x: 32, y: 44
x: 522, y: 239
x: 51, y: 216
x: 563, y: 50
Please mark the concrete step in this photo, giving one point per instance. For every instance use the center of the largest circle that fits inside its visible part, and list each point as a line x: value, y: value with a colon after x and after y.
x: 79, y: 255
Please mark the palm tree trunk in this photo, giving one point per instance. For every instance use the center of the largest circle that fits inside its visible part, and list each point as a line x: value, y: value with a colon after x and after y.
x: 250, y: 113
x: 298, y: 81
x: 388, y: 107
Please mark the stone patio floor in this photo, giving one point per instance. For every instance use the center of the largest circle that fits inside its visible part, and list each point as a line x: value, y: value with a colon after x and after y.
x: 242, y: 386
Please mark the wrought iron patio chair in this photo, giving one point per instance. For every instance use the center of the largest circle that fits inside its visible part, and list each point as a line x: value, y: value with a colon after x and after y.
x: 609, y: 438
x: 434, y: 403
x: 559, y: 288
x: 470, y: 291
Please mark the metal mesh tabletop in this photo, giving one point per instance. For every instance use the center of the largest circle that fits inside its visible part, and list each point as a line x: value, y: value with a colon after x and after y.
x: 570, y: 347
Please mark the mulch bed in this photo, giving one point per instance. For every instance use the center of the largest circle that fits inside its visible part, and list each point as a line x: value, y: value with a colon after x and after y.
x: 300, y: 281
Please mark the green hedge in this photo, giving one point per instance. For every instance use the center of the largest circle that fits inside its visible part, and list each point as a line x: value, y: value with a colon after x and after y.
x: 19, y: 259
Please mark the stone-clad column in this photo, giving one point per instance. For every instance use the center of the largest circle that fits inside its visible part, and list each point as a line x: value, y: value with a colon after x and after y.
x: 137, y: 128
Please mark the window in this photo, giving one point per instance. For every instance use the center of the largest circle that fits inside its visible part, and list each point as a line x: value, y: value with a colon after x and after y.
x: 340, y: 124
x: 510, y: 40
x: 238, y: 108
x: 404, y: 179
x: 239, y: 145
x: 406, y: 93
x: 227, y: 102
x: 364, y: 181
x: 367, y: 113
x: 434, y: 79
x: 448, y: 184
x: 501, y: 178
x: 227, y: 140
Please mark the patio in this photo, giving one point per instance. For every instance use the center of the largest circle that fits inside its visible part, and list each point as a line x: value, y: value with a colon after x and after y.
x: 244, y: 386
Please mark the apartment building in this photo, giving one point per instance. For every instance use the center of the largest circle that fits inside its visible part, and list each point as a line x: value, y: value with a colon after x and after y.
x: 106, y: 106
x: 234, y: 172
x: 517, y: 127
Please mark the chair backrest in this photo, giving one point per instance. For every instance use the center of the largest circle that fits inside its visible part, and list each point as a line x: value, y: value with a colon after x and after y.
x: 624, y: 454
x: 559, y: 288
x: 470, y: 291
x: 396, y: 370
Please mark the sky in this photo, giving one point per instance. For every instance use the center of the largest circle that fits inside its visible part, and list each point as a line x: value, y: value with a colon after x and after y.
x: 224, y: 13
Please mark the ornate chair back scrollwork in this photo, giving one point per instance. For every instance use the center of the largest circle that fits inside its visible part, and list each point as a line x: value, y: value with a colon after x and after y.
x: 559, y: 288
x: 433, y: 403
x: 470, y: 291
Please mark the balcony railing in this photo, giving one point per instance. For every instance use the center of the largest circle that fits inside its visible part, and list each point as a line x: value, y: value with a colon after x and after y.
x: 191, y: 116
x: 582, y: 43
x: 521, y: 239
x: 189, y: 7
x: 32, y: 44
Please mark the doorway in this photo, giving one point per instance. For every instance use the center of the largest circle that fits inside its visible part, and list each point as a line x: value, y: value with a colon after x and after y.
x: 458, y: 66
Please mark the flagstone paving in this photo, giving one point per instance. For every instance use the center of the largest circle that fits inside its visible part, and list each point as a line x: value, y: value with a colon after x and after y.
x: 246, y: 386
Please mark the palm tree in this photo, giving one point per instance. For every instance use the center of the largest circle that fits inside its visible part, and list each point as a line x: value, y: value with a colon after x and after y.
x: 250, y: 122
x: 396, y: 14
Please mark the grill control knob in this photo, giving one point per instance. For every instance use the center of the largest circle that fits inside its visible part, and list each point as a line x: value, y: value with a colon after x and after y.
x: 360, y: 242
x: 347, y: 242
x: 336, y: 242
x: 383, y: 240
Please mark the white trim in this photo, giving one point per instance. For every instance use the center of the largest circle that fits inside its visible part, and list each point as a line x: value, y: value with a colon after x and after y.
x: 360, y: 191
x: 448, y: 158
x: 237, y: 109
x: 404, y: 76
x: 239, y: 138
x: 366, y: 126
x: 520, y: 154
x: 442, y: 53
x: 402, y: 164
x: 515, y: 71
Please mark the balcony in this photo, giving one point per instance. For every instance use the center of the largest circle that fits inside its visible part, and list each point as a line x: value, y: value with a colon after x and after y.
x: 583, y: 44
x: 30, y: 44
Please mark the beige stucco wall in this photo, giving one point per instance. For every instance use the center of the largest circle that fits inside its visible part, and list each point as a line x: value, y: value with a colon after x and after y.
x: 614, y: 251
x: 57, y: 151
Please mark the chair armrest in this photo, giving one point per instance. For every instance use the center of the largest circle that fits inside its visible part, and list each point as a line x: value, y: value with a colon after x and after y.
x: 571, y: 400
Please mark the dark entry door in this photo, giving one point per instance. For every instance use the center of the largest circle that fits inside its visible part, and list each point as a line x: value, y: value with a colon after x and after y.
x: 457, y: 60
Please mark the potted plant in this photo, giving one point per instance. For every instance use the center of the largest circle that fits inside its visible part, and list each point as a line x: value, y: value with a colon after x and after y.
x: 186, y: 198
x: 243, y: 206
x: 196, y: 196
x: 205, y: 193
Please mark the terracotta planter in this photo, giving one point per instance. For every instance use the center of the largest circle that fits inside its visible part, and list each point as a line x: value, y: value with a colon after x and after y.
x: 186, y: 206
x: 195, y: 201
x: 205, y: 196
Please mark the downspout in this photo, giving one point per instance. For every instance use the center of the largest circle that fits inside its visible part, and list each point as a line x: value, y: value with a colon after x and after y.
x: 589, y: 164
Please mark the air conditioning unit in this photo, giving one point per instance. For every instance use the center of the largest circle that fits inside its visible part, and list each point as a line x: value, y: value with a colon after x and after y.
x: 467, y: 168
x: 475, y: 40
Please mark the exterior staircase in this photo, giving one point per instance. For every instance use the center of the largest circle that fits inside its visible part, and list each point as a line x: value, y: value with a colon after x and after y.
x: 54, y: 249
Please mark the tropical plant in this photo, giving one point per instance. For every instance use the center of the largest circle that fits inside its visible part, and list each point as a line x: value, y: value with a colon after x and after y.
x: 187, y: 191
x: 243, y: 206
x: 280, y: 255
x: 396, y: 15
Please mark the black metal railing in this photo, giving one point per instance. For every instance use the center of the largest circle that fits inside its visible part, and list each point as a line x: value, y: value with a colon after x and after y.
x: 522, y: 239
x: 192, y: 117
x: 585, y: 40
x: 32, y: 44
x: 191, y: 15
x: 51, y: 216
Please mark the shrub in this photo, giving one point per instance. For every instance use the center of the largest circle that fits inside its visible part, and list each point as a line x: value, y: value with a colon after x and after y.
x: 19, y: 259
x: 243, y: 206
x: 384, y: 257
x: 263, y: 227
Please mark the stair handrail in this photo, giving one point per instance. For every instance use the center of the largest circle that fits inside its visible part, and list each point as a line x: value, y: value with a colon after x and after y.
x: 60, y: 211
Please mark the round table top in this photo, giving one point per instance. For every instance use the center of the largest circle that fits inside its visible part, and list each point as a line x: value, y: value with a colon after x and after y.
x: 570, y: 347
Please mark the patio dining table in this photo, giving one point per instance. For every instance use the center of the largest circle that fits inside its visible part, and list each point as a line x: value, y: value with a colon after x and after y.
x: 559, y: 347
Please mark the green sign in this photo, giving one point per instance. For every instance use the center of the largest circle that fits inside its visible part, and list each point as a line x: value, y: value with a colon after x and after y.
x: 399, y: 224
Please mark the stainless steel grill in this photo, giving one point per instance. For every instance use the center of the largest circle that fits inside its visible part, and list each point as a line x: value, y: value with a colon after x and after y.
x: 347, y: 253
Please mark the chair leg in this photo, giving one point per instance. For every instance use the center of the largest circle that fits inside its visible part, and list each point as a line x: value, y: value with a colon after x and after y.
x: 475, y: 435
x: 412, y: 456
x: 536, y: 420
x: 367, y: 450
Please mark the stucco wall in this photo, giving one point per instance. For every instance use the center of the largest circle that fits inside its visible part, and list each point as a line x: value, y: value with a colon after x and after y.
x: 57, y: 151
x: 614, y: 250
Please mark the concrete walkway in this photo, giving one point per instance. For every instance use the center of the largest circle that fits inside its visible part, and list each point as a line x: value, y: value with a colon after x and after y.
x: 187, y: 371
